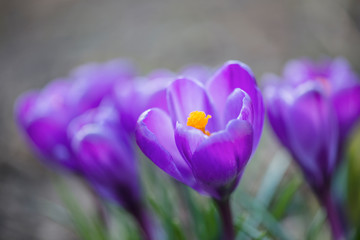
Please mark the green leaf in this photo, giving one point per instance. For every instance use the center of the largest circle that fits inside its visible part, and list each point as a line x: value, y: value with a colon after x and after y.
x: 88, y: 228
x: 248, y: 230
x: 285, y: 197
x: 353, y: 180
x: 272, y: 178
x: 316, y: 225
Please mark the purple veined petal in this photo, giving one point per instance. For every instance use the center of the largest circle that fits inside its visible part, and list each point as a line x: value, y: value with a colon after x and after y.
x: 313, y: 134
x: 155, y: 137
x: 185, y: 96
x: 239, y: 106
x: 187, y: 140
x: 347, y: 107
x: 219, y: 161
x: 232, y: 75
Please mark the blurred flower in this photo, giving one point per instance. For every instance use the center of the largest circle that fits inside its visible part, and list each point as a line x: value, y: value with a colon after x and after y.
x: 44, y: 115
x: 106, y: 155
x: 312, y: 109
x: 209, y: 132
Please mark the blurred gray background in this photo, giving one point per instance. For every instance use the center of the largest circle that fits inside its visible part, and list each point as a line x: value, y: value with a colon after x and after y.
x: 44, y: 39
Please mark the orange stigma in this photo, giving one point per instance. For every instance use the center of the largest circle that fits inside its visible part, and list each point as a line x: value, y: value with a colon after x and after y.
x: 198, y: 120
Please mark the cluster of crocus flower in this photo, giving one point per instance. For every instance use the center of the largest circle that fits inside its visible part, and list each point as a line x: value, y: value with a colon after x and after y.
x: 199, y: 126
x: 312, y: 109
x: 74, y: 125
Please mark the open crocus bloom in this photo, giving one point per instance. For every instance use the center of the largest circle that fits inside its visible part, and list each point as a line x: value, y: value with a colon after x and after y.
x: 210, y: 132
x: 312, y: 109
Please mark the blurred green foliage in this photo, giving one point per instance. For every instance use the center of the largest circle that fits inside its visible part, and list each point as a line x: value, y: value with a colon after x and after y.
x: 353, y: 180
x: 181, y: 213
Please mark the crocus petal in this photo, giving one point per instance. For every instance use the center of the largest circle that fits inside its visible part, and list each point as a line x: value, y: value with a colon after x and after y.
x: 23, y: 106
x: 277, y: 115
x: 135, y: 97
x: 108, y: 162
x: 239, y: 105
x: 104, y: 155
x: 94, y: 81
x: 347, y: 107
x: 185, y: 96
x: 114, y: 69
x: 49, y: 139
x: 297, y: 71
x: 104, y: 116
x: 232, y: 75
x: 341, y: 75
x: 155, y: 137
x: 313, y: 135
x: 219, y: 161
x: 197, y: 72
x: 43, y: 120
x: 188, y: 139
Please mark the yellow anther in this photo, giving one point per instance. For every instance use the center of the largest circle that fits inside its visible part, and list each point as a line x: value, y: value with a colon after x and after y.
x: 199, y: 120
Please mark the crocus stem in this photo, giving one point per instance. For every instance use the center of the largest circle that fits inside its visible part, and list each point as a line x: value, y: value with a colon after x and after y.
x: 333, y: 216
x: 142, y: 218
x: 99, y: 207
x: 226, y: 218
x: 184, y: 204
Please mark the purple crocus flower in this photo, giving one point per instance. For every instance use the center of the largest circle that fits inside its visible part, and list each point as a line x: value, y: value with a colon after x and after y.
x: 105, y: 152
x: 207, y: 152
x: 43, y: 115
x: 312, y: 109
x: 208, y: 134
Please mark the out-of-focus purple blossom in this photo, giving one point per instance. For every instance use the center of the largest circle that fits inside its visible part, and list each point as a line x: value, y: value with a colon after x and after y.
x: 106, y: 155
x: 312, y: 109
x: 209, y: 160
x: 44, y: 115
